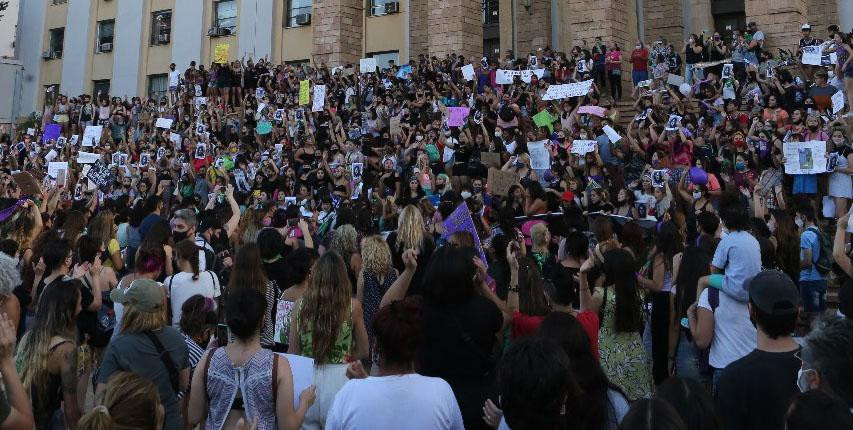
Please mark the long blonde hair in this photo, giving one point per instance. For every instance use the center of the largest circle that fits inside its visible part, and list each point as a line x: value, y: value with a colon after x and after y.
x: 375, y: 255
x: 130, y: 402
x: 410, y: 229
x: 345, y: 242
x: 325, y: 304
x: 101, y: 227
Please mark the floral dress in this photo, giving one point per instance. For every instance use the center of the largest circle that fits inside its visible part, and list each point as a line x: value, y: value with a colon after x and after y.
x: 623, y: 357
x: 341, y: 348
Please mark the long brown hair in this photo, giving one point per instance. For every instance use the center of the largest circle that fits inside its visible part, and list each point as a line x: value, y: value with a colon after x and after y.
x: 325, y: 304
x: 101, y: 227
x: 248, y: 269
x: 130, y: 402
x: 187, y: 250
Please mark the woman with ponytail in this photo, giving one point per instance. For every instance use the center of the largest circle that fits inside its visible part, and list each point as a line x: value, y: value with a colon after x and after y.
x: 130, y: 402
x: 189, y: 281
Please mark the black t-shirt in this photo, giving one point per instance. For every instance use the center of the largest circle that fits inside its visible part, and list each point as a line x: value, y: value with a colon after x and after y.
x: 755, y: 390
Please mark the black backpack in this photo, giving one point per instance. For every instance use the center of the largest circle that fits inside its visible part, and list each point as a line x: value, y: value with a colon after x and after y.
x: 823, y: 262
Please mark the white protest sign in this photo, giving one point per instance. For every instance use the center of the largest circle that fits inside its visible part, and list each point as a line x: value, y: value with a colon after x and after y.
x: 87, y: 157
x: 581, y: 147
x: 804, y: 157
x: 54, y: 167
x: 674, y: 79
x: 319, y: 100
x: 575, y: 89
x: 468, y: 72
x: 647, y: 83
x: 367, y: 65
x: 503, y: 76
x: 74, y: 140
x: 811, y: 55
x: 50, y: 155
x: 302, y: 374
x: 611, y: 134
x: 278, y: 115
x: 31, y: 132
x: 176, y: 139
x: 164, y: 123
x: 540, y: 157
x: 837, y: 101
x: 92, y: 135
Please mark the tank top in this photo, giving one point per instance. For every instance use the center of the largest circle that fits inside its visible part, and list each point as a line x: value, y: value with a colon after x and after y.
x: 253, y: 381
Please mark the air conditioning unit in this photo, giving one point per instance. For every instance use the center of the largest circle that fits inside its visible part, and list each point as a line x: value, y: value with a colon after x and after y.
x: 392, y: 7
x: 163, y: 38
x: 47, y: 55
x: 303, y: 19
x: 377, y: 10
x: 57, y: 54
x: 218, y: 31
x: 107, y: 47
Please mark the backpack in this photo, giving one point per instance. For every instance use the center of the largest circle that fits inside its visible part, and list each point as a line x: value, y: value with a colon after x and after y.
x: 823, y: 263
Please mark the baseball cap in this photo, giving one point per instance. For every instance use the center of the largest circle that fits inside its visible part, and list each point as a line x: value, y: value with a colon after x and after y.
x: 773, y: 292
x: 145, y: 294
x: 806, y: 26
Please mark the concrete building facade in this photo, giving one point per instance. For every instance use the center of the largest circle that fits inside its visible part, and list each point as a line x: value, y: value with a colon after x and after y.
x: 125, y: 46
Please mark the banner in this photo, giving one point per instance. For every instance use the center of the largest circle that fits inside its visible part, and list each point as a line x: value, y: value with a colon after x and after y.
x: 540, y: 157
x: 51, y: 132
x: 456, y: 116
x: 802, y: 158
x: 367, y: 65
x: 319, y: 98
x: 503, y: 76
x: 220, y: 53
x: 581, y: 147
x: 304, y: 92
x: 460, y: 220
x: 564, y: 91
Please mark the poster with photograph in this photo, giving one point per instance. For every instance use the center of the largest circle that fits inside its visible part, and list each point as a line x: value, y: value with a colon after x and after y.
x: 802, y: 158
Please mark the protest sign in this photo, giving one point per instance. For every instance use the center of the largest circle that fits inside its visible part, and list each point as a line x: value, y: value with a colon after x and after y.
x: 367, y: 65
x: 611, y: 134
x: 99, y: 174
x: 176, y: 139
x: 592, y: 110
x: 51, y: 155
x: 490, y: 159
x: 144, y: 158
x: 356, y: 169
x: 811, y: 55
x: 220, y: 53
x: 503, y: 76
x: 804, y: 157
x: 164, y: 123
x: 304, y: 92
x: 404, y: 72
x: 31, y: 132
x: 838, y: 102
x: 456, y: 116
x: 92, y: 135
x: 278, y: 115
x: 54, y: 167
x: 673, y: 123
x: 544, y: 119
x: 645, y: 84
x: 61, y: 142
x: 468, y: 72
x: 673, y: 79
x: 659, y: 177
x: 460, y: 220
x: 540, y: 157
x: 500, y: 181
x: 51, y: 132
x: 563, y: 91
x: 74, y: 139
x: 200, y: 151
x: 581, y: 147
x: 87, y: 157
x: 27, y: 184
x: 728, y: 71
x: 395, y: 127
x: 199, y: 101
x: 319, y: 101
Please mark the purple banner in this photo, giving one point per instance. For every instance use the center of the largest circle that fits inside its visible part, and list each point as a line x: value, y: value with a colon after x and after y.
x: 51, y: 132
x: 460, y: 220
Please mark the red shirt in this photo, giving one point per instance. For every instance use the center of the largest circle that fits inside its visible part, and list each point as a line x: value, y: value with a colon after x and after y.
x: 525, y: 325
x: 640, y: 59
x: 589, y: 321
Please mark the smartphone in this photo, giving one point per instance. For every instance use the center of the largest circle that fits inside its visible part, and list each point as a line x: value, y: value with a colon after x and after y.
x: 222, y: 334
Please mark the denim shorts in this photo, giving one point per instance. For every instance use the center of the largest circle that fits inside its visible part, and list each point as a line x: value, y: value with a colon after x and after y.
x: 813, y: 295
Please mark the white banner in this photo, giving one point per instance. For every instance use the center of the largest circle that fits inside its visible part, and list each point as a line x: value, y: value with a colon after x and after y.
x: 367, y: 65
x: 540, y: 158
x: 803, y: 158
x: 8, y: 24
x: 564, y: 91
x: 503, y: 76
x: 468, y: 72
x: 164, y: 123
x: 581, y: 147
x: 319, y: 100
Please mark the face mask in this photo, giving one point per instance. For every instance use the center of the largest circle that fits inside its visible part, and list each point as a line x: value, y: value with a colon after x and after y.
x: 771, y: 225
x: 697, y: 195
x: 497, y: 134
x: 802, y: 383
x: 799, y: 222
x: 740, y: 166
x: 465, y: 194
x: 179, y: 236
x: 477, y: 189
x: 636, y: 46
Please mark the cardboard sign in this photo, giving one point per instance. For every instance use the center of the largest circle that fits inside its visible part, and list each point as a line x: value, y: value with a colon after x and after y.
x: 540, y: 157
x: 220, y: 53
x: 456, y: 116
x: 92, y: 135
x: 395, y: 126
x: 164, y: 123
x: 581, y: 147
x: 803, y: 158
x: 304, y: 92
x: 28, y: 185
x: 367, y: 65
x: 100, y: 175
x: 490, y: 159
x: 564, y: 91
x: 468, y: 72
x: 500, y: 181
x: 319, y: 100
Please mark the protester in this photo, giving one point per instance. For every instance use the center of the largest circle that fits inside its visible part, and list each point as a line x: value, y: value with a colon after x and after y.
x: 130, y: 401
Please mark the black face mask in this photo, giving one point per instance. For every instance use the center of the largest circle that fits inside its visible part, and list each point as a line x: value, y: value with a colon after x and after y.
x: 178, y: 236
x: 813, y: 127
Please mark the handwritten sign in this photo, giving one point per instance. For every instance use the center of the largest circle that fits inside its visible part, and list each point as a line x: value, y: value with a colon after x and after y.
x: 220, y: 53
x: 564, y: 91
x: 54, y: 167
x: 468, y: 72
x: 593, y: 110
x: 500, y: 181
x: 92, y: 135
x: 319, y: 101
x: 811, y: 55
x: 87, y: 157
x: 503, y: 76
x: 456, y: 116
x: 164, y: 123
x: 544, y: 119
x: 100, y: 175
x: 304, y: 92
x: 490, y: 159
x: 837, y: 101
x: 581, y: 147
x: 540, y: 157
x: 804, y: 157
x: 367, y: 65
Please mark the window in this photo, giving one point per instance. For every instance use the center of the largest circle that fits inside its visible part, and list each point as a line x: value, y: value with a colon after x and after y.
x: 298, y: 13
x: 382, y: 58
x: 57, y: 39
x: 225, y: 14
x: 492, y: 48
x: 104, y: 41
x: 60, y: 1
x: 158, y: 86
x: 102, y: 86
x: 382, y: 7
x: 161, y: 27
x: 490, y: 11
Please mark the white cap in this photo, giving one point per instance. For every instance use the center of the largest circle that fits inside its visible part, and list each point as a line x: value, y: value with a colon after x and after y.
x: 806, y: 26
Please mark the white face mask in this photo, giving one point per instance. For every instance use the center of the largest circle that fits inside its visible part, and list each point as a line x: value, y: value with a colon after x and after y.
x: 697, y: 195
x: 771, y: 225
x: 497, y: 134
x: 799, y: 222
x: 802, y: 383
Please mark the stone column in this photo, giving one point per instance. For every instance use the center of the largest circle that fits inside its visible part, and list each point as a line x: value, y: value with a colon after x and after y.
x: 455, y: 26
x: 534, y: 26
x: 418, y: 29
x: 664, y: 18
x: 338, y: 32
x: 779, y: 20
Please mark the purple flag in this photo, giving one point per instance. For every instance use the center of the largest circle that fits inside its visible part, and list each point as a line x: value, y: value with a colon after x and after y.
x: 51, y: 132
x: 460, y: 220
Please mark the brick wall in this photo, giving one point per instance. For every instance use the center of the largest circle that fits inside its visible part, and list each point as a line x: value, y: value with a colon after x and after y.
x: 779, y: 20
x: 534, y: 26
x: 418, y: 28
x: 455, y: 26
x: 663, y: 18
x: 610, y: 19
x: 337, y: 26
x: 821, y: 14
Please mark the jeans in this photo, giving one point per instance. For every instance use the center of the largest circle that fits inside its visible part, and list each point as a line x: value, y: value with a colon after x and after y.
x: 689, y: 71
x: 686, y: 359
x: 615, y: 86
x: 639, y: 76
x: 813, y: 295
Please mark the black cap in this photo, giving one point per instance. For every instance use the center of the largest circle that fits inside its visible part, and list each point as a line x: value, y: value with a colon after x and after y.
x: 773, y: 292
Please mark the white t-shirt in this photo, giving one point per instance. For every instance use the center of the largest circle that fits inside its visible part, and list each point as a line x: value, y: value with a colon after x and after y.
x: 734, y: 334
x: 174, y: 78
x: 395, y: 402
x: 181, y: 287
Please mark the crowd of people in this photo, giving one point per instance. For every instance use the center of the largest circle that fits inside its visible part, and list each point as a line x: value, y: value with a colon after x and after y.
x: 447, y: 249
